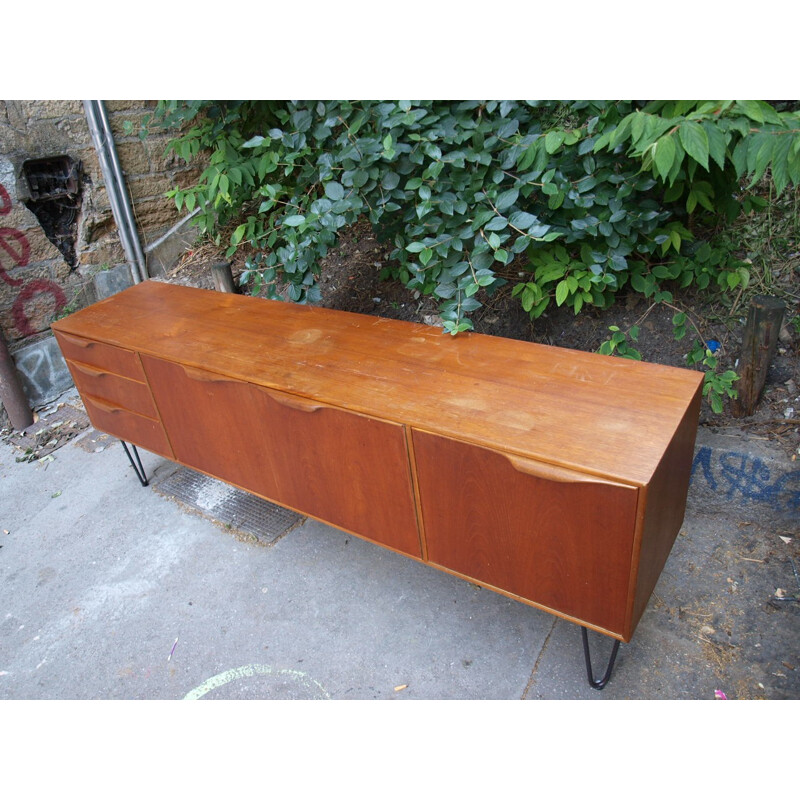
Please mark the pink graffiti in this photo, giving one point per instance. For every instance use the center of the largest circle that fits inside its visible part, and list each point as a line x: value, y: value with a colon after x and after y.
x: 17, y: 247
x: 6, y: 200
x: 29, y: 291
x: 19, y: 257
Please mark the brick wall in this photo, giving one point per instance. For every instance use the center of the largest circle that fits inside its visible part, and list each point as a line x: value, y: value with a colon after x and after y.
x: 40, y: 280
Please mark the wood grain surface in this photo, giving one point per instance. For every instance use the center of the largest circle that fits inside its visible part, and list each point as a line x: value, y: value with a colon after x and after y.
x: 345, y: 468
x: 607, y: 416
x: 554, y: 476
x: 565, y: 544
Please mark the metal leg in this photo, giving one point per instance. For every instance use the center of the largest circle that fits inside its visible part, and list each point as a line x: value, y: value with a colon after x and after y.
x: 139, y: 470
x: 598, y: 684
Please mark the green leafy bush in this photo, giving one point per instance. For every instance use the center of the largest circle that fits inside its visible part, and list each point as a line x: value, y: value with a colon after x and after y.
x: 594, y: 194
x: 586, y: 198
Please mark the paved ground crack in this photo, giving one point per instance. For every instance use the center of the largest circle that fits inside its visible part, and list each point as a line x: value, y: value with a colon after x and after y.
x: 538, y: 659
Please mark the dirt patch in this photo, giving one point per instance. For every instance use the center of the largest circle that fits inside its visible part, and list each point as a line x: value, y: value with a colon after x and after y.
x: 53, y: 427
x: 749, y: 598
x: 350, y: 281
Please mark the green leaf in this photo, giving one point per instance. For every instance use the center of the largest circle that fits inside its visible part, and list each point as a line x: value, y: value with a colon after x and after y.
x: 334, y: 190
x: 294, y: 220
x: 506, y: 199
x: 638, y: 126
x: 522, y: 220
x: 254, y: 142
x: 739, y: 157
x: 528, y: 299
x: 432, y: 151
x: 716, y: 143
x: 497, y: 224
x: 390, y: 181
x: 695, y: 141
x: 664, y: 155
x: 762, y: 148
x: 481, y: 218
x: 237, y: 235
x: 562, y: 290
x: 752, y: 109
x: 553, y: 141
x: 779, y: 167
x: 526, y: 157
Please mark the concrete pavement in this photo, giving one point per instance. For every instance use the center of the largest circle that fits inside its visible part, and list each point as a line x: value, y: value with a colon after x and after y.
x: 111, y: 590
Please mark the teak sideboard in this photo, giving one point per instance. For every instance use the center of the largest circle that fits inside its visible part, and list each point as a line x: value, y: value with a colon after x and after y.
x: 556, y: 477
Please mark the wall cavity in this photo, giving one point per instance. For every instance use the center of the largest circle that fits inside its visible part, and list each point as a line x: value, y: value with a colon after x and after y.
x: 54, y: 187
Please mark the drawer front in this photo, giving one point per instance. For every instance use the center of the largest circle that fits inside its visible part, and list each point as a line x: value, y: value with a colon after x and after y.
x: 558, y: 538
x: 346, y: 469
x: 134, y: 428
x: 106, y: 357
x: 122, y: 392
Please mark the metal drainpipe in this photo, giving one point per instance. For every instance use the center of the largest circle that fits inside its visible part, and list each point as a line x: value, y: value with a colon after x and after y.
x: 115, y: 186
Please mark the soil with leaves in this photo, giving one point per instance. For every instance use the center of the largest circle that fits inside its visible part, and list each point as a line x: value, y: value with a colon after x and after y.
x: 350, y: 281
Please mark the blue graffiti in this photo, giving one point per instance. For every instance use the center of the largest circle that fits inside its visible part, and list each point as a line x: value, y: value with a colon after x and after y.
x: 748, y: 476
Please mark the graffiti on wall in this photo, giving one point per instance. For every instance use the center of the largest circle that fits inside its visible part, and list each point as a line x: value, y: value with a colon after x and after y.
x: 16, y: 251
x: 748, y: 477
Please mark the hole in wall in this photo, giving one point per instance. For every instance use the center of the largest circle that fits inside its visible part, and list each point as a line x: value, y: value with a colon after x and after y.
x: 55, y: 197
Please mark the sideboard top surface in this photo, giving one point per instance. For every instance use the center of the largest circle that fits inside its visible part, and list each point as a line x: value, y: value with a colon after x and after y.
x: 608, y: 416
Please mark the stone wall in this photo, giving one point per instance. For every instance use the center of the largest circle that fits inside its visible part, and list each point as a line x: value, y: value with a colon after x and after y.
x: 54, y: 253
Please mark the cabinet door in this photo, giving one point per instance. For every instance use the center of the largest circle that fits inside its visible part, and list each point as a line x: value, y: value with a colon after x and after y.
x: 344, y: 468
x: 555, y: 537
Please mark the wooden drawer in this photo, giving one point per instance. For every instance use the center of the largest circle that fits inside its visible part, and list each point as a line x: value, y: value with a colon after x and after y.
x: 128, y: 426
x: 560, y: 539
x: 97, y: 354
x: 119, y: 391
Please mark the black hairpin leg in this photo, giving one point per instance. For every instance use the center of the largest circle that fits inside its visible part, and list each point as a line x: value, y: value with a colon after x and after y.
x: 598, y: 684
x: 137, y: 467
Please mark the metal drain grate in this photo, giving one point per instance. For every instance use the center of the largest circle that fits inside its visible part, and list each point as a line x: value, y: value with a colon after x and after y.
x: 228, y: 505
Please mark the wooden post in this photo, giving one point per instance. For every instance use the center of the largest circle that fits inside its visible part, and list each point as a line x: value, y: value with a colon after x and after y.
x: 11, y: 393
x: 758, y: 347
x: 223, y: 277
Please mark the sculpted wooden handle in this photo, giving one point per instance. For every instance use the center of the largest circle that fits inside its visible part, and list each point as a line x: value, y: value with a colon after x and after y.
x: 205, y: 377
x: 102, y: 404
x: 86, y: 369
x: 78, y: 342
x: 548, y: 472
x: 289, y: 400
x: 292, y: 400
